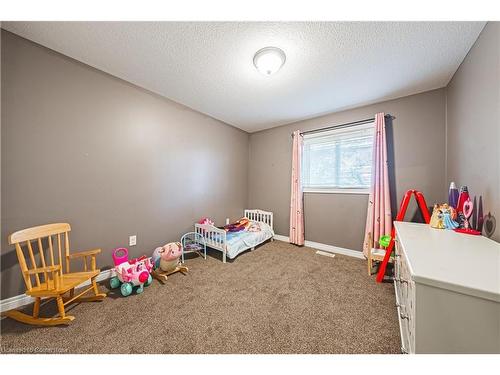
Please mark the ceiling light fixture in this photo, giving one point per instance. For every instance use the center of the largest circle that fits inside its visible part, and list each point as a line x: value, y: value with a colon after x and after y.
x: 269, y: 60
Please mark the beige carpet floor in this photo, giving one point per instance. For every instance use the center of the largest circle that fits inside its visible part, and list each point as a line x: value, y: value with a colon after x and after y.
x: 276, y: 299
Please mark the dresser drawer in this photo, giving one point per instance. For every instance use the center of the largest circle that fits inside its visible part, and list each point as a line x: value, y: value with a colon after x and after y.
x: 405, y: 300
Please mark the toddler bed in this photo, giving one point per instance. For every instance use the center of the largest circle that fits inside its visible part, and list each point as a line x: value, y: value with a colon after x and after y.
x: 233, y: 243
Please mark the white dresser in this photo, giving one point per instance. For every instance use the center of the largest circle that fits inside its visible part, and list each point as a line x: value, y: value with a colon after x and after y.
x: 447, y: 290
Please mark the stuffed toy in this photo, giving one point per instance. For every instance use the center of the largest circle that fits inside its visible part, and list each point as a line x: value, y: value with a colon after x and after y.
x: 206, y: 220
x: 167, y: 257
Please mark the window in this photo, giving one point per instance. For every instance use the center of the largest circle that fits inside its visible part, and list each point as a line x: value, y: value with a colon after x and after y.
x: 338, y: 160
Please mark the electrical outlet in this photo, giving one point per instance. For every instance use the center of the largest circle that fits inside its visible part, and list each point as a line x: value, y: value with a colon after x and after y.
x: 132, y: 240
x: 227, y: 221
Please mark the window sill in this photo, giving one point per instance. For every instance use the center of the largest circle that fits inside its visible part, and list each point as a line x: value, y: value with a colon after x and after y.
x: 337, y: 191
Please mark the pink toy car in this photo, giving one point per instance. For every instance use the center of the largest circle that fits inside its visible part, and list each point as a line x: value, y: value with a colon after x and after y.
x: 130, y: 273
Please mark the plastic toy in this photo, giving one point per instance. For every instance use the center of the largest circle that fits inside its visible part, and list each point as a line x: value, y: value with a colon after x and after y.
x: 437, y: 218
x: 449, y: 223
x: 467, y: 208
x: 166, y: 261
x: 130, y: 274
x: 376, y: 254
x: 384, y: 241
x: 463, y: 196
x: 453, y: 195
x: 443, y: 217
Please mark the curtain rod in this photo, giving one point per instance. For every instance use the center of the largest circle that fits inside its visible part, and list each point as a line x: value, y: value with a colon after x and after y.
x: 346, y: 125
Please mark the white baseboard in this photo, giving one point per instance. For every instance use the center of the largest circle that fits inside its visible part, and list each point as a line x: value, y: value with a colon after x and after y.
x: 23, y: 300
x: 324, y: 247
x: 279, y: 237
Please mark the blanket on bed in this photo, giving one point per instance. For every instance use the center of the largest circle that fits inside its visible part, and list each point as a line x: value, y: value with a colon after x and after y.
x: 242, y: 224
x: 238, y: 242
x: 250, y: 236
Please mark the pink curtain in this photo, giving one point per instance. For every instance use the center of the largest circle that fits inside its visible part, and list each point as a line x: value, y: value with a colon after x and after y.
x: 296, y: 201
x: 378, y: 218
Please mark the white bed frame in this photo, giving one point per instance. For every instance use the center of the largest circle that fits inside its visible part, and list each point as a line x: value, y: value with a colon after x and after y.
x: 215, y: 238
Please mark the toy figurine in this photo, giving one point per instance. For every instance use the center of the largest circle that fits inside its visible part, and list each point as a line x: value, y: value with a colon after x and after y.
x: 443, y: 217
x: 449, y: 223
x: 436, y: 218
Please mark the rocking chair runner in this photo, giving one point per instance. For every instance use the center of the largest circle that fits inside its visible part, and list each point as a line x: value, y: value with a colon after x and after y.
x: 49, y: 281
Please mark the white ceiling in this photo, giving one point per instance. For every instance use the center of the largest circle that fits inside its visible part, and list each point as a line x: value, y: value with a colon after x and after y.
x: 208, y: 65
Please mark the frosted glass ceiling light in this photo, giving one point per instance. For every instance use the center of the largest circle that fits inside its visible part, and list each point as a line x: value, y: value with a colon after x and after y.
x: 269, y: 60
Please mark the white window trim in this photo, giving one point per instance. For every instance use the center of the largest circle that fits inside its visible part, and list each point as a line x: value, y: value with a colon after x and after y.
x: 360, y: 191
x: 338, y: 190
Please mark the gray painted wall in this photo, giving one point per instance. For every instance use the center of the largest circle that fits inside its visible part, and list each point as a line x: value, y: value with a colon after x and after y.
x: 473, y: 121
x: 83, y: 147
x: 156, y: 166
x: 418, y: 160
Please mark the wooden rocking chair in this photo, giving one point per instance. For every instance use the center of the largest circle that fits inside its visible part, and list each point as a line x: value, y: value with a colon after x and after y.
x: 55, y: 283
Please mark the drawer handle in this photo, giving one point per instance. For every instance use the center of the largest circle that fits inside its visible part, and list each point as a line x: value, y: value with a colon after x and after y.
x: 404, y: 316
